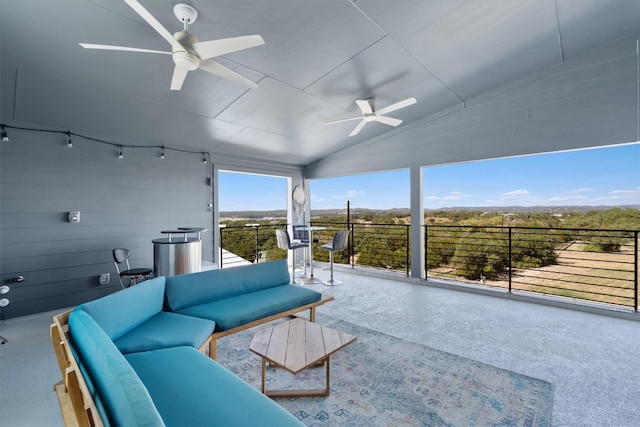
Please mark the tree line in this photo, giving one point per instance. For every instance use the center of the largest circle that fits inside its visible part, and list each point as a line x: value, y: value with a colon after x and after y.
x: 474, y: 244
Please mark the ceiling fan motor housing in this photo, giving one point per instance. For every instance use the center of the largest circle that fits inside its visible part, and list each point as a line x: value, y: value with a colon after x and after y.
x: 186, y: 58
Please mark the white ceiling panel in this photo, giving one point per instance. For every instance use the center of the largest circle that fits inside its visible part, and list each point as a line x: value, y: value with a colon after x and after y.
x: 587, y: 23
x: 319, y: 57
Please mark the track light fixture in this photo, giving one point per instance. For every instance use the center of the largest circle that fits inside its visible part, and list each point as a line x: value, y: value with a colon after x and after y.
x: 162, y: 153
x: 204, y: 158
x: 69, y: 144
x: 120, y: 155
x: 5, y: 137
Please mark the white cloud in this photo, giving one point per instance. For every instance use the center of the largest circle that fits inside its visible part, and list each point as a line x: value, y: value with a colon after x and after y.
x: 580, y: 190
x: 515, y: 194
x: 349, y: 194
x: 453, y: 196
x: 456, y: 195
x: 626, y: 196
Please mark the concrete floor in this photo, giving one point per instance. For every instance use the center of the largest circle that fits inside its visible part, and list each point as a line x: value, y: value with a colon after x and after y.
x: 592, y: 360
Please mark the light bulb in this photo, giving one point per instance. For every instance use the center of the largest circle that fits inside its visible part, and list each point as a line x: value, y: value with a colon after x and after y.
x: 69, y: 144
x: 162, y: 153
x: 120, y: 155
x: 5, y: 137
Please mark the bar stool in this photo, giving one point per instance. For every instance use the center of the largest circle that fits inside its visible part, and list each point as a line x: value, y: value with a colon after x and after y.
x: 339, y: 243
x: 284, y: 242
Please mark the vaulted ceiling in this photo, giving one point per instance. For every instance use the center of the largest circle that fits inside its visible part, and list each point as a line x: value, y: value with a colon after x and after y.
x: 319, y: 57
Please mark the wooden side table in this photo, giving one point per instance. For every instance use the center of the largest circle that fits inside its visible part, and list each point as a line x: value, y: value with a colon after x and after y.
x: 296, y: 345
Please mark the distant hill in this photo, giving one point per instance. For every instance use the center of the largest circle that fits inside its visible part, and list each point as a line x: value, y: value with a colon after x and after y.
x: 316, y: 213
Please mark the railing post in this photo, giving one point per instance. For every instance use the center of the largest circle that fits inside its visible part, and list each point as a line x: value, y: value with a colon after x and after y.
x: 510, y: 260
x: 221, y: 247
x: 352, y: 254
x: 426, y: 252
x: 256, y: 256
x: 635, y: 269
x: 407, y: 242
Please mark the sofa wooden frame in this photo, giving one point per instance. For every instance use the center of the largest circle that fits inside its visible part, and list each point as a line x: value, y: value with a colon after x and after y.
x: 213, y: 339
x: 76, y: 403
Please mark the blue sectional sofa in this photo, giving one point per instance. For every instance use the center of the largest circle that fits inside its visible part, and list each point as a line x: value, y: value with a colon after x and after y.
x: 132, y: 358
x: 243, y: 297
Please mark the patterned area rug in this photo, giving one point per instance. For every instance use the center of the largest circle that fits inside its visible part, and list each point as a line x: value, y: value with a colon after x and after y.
x: 380, y: 380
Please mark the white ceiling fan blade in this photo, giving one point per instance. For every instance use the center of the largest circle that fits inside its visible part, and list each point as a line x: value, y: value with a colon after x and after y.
x: 155, y: 24
x: 397, y: 106
x: 179, y: 74
x: 120, y: 48
x: 213, y: 67
x: 212, y: 48
x: 342, y: 120
x: 358, y: 128
x: 388, y: 120
x: 367, y: 106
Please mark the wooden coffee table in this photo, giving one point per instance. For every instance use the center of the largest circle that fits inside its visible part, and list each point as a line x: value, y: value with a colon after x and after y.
x: 296, y: 345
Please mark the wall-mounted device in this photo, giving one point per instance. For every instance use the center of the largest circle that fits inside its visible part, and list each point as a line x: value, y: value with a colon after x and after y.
x: 105, y: 278
x: 74, y: 217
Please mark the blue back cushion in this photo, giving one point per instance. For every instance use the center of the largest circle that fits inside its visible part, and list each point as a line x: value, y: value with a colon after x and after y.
x: 198, y: 288
x: 122, y: 311
x: 123, y: 396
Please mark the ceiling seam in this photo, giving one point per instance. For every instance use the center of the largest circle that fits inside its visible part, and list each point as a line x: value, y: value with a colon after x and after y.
x: 353, y: 2
x: 559, y: 32
x: 304, y: 89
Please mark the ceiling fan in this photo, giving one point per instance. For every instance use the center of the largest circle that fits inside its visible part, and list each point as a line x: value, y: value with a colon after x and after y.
x: 369, y: 114
x: 188, y: 53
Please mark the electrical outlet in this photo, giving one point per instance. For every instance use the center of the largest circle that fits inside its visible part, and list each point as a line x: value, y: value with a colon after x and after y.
x: 105, y: 278
x: 4, y: 302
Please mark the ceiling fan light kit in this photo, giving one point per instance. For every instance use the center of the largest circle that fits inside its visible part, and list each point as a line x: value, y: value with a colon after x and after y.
x: 188, y: 54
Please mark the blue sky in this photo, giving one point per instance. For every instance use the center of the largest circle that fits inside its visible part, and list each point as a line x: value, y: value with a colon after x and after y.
x: 604, y: 176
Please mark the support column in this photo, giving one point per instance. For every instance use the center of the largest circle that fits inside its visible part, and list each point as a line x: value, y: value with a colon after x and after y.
x: 417, y: 222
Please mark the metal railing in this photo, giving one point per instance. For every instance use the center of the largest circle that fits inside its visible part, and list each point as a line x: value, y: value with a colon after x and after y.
x: 592, y: 265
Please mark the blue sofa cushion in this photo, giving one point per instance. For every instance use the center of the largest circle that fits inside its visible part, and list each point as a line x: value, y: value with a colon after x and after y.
x: 246, y: 308
x: 122, y: 395
x: 198, y: 288
x: 166, y: 329
x: 197, y: 391
x: 122, y: 311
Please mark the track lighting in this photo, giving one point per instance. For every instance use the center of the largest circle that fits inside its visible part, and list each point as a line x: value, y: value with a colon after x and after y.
x: 162, y: 153
x: 5, y: 137
x: 120, y: 155
x: 204, y: 158
x: 69, y: 144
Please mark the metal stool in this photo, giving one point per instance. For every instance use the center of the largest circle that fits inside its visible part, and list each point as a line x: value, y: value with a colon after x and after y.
x: 339, y: 243
x: 284, y: 242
